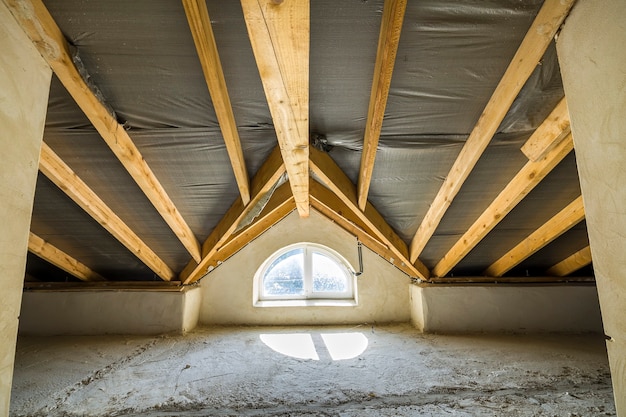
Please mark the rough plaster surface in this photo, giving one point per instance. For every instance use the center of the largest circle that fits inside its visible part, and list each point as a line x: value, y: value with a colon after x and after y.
x: 454, y: 309
x: 592, y: 56
x: 228, y: 290
x: 387, y: 371
x: 119, y: 312
x: 24, y: 86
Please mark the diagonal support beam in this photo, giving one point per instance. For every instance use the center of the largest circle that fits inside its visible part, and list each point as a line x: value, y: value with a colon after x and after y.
x: 390, y: 28
x: 279, y: 206
x: 336, y: 180
x: 553, y: 228
x: 328, y: 204
x: 535, y: 43
x: 572, y: 263
x: 279, y: 34
x: 60, y: 259
x: 552, y: 131
x: 262, y: 184
x: 519, y: 187
x: 202, y: 32
x: 66, y: 179
x: 39, y: 25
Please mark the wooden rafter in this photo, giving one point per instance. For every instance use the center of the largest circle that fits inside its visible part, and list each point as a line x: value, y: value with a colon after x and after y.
x: 60, y: 259
x: 262, y: 184
x: 328, y: 204
x: 279, y: 34
x: 523, y: 183
x: 39, y: 25
x: 336, y: 180
x: 552, y: 131
x: 553, y: 228
x: 572, y: 263
x: 280, y: 205
x: 53, y: 167
x: 535, y: 43
x: 202, y: 32
x: 390, y: 28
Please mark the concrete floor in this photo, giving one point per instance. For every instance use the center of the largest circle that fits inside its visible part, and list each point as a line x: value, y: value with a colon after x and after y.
x: 316, y: 371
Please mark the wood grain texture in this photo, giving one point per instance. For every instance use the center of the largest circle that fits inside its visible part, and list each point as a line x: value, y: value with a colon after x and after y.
x: 60, y: 259
x: 336, y: 180
x: 519, y: 187
x: 572, y: 263
x: 279, y: 34
x: 66, y: 179
x: 48, y: 39
x: 389, y: 38
x: 532, y: 48
x: 202, y: 32
x: 552, y: 131
x: 553, y: 228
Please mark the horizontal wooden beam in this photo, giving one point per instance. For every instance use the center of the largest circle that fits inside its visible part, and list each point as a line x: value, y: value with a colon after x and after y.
x: 552, y: 131
x: 279, y: 34
x: 572, y: 263
x: 388, y: 40
x: 145, y: 286
x: 57, y: 171
x: 553, y: 228
x: 262, y: 184
x: 535, y: 43
x: 336, y: 180
x: 487, y: 281
x: 202, y: 32
x: 60, y: 259
x: 519, y: 187
x: 48, y: 39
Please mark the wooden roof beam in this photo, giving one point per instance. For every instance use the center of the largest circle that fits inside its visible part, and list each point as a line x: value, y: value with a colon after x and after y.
x: 532, y: 48
x: 519, y: 187
x: 329, y: 205
x: 279, y: 34
x: 280, y: 205
x: 202, y: 32
x: 60, y: 259
x: 39, y: 25
x: 336, y: 180
x: 263, y: 183
x: 552, y: 131
x: 553, y: 228
x: 390, y: 29
x: 57, y: 171
x: 572, y: 263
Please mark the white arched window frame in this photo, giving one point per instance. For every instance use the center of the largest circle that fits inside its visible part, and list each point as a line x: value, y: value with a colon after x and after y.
x: 321, y: 274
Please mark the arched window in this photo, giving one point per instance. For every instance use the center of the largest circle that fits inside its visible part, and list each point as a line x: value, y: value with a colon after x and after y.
x: 305, y: 271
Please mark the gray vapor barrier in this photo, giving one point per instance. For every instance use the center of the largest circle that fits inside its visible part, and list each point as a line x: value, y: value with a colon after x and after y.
x: 142, y: 58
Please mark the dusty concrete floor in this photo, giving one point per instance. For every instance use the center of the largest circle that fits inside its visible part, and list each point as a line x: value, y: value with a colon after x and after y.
x: 356, y: 371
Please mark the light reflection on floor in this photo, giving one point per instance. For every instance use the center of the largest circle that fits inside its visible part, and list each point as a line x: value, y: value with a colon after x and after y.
x: 339, y: 346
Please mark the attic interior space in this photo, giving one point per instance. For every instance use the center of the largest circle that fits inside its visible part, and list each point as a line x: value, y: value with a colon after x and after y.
x: 318, y: 208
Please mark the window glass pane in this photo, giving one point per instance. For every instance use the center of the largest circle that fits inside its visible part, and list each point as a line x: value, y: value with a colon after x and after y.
x: 328, y: 276
x: 285, y: 276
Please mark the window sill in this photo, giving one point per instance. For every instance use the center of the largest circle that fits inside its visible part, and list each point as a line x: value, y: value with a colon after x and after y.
x: 306, y: 303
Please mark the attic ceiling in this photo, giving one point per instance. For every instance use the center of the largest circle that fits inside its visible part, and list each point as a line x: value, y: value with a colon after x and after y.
x: 440, y: 135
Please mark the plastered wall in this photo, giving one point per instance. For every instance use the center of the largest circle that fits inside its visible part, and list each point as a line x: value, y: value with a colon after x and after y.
x: 109, y: 312
x: 459, y: 309
x: 592, y: 58
x: 227, y: 292
x: 24, y: 87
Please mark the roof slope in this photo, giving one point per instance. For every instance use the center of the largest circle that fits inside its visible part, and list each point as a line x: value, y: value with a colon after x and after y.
x: 183, y: 168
